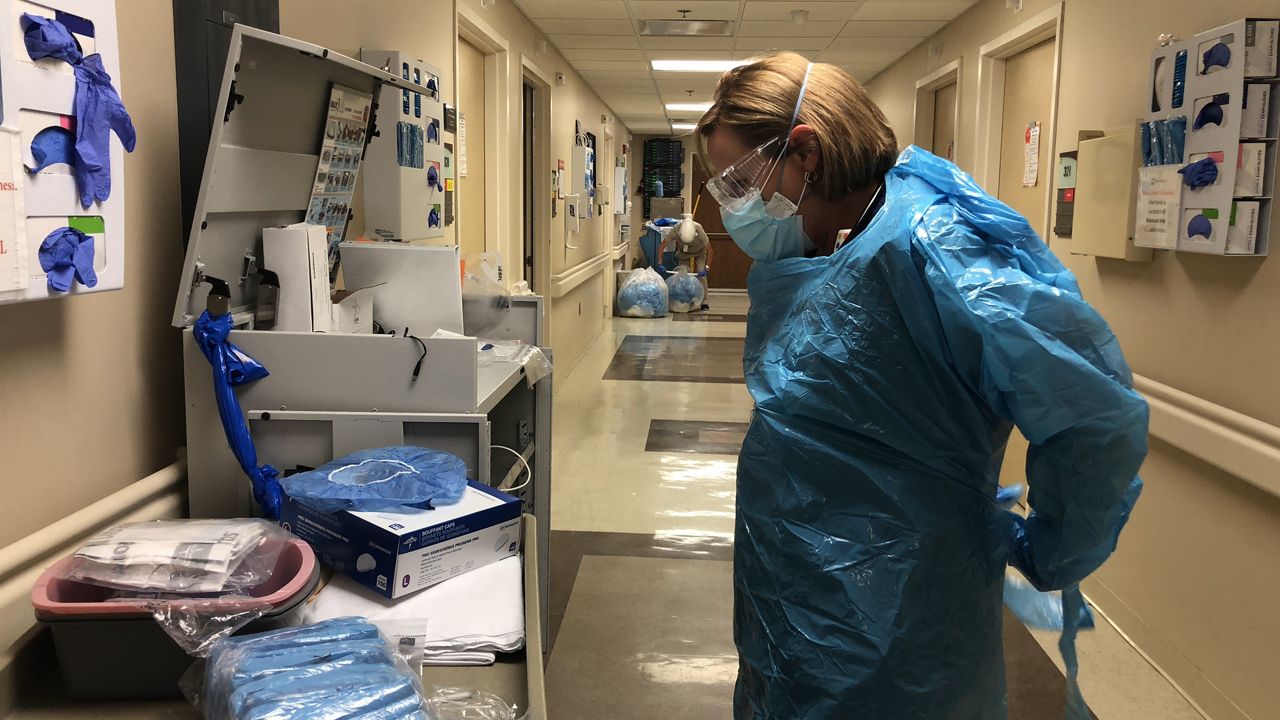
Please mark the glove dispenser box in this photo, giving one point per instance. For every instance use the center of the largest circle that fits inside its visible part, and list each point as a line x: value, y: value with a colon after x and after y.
x: 1105, y: 196
x: 38, y: 111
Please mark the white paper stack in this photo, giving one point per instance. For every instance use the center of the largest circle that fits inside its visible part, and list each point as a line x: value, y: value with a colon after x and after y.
x: 463, y: 621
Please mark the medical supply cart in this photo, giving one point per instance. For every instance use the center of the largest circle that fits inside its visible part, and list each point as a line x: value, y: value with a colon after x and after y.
x: 329, y: 394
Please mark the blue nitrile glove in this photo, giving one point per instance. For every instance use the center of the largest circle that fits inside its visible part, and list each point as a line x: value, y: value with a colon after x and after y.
x: 433, y: 218
x: 1211, y: 113
x: 433, y: 132
x: 98, y: 112
x: 662, y: 269
x: 51, y: 146
x: 49, y: 38
x: 65, y: 254
x: 1201, y: 226
x: 1199, y: 173
x: 433, y: 178
x: 1217, y: 56
x: 98, y: 109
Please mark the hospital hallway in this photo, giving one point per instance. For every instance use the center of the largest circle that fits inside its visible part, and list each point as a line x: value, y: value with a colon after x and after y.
x: 648, y: 428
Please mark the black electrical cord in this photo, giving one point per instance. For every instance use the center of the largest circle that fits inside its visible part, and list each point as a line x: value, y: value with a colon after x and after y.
x: 417, y: 368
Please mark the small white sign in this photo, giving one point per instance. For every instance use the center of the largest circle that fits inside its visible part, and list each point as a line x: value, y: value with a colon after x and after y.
x: 462, y: 144
x: 1159, y: 206
x: 1031, y: 158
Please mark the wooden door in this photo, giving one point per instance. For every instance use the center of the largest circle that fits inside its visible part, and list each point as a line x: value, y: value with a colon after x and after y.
x: 1028, y: 97
x: 944, y: 121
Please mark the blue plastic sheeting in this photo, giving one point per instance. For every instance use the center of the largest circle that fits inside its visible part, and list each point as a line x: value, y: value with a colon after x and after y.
x: 870, y: 549
x: 340, y: 668
x: 387, y: 478
x: 99, y: 110
x: 231, y: 369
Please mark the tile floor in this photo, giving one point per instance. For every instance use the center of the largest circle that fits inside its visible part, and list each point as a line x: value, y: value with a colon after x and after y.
x: 642, y: 530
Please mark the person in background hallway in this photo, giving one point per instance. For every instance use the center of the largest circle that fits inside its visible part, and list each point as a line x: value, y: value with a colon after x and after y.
x: 902, y: 322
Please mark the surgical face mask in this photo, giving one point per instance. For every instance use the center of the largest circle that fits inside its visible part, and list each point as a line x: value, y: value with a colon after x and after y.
x: 771, y: 230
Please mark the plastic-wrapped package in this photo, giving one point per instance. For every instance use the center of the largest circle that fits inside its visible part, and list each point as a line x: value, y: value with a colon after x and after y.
x: 643, y: 294
x: 339, y: 668
x: 448, y: 703
x: 685, y: 291
x: 381, y: 479
x: 1041, y: 610
x: 484, y: 302
x: 535, y: 362
x: 183, y: 557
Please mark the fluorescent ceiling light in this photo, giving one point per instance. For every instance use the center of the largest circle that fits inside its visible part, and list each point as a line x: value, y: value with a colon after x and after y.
x: 683, y: 126
x: 707, y: 66
x: 698, y: 107
x: 686, y: 28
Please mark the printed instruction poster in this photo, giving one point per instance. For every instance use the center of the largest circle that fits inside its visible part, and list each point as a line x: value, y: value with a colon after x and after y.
x: 1159, y: 205
x: 1031, y: 158
x: 340, y: 156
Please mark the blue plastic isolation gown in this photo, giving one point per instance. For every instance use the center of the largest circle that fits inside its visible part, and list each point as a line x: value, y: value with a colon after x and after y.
x: 870, y: 548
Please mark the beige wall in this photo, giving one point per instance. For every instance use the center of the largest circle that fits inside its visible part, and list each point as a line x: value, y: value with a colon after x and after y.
x: 1194, y: 579
x: 570, y: 332
x: 92, y: 385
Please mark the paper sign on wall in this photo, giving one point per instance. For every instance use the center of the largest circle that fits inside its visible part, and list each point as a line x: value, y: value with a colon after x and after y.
x: 1031, y: 157
x: 1159, y: 205
x: 462, y: 144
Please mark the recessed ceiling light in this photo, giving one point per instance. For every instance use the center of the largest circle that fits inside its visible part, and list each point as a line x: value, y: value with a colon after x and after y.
x: 683, y: 126
x: 707, y: 66
x: 698, y: 107
x: 686, y: 28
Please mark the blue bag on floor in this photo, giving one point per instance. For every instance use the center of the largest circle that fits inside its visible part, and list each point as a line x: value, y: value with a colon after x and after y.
x: 870, y: 549
x: 382, y: 479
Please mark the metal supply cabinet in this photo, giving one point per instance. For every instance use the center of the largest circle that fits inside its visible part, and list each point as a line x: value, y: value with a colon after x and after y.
x: 329, y: 394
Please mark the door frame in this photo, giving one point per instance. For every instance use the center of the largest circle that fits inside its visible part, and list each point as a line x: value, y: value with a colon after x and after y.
x: 927, y: 89
x: 1047, y: 25
x: 542, y: 82
x: 473, y: 29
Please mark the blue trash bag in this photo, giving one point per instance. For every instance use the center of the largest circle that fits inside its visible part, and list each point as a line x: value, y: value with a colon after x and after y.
x: 685, y: 292
x: 643, y: 294
x: 870, y: 550
x: 387, y: 478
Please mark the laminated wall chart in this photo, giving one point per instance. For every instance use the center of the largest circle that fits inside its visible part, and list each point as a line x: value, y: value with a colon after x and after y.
x: 339, y: 166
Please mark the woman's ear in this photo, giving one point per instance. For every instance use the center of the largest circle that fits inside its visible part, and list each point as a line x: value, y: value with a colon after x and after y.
x: 804, y: 142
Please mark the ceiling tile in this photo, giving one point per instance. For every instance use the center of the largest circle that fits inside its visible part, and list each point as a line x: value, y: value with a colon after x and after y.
x: 686, y: 43
x: 749, y: 54
x: 586, y: 27
x: 609, y: 65
x: 574, y: 42
x: 842, y: 57
x: 773, y: 43
x: 781, y: 10
x: 911, y: 9
x: 602, y: 79
x: 897, y: 46
x: 574, y: 9
x: 892, y: 28
x: 626, y: 89
x: 574, y: 55
x: 670, y: 9
x: 769, y: 28
x: 636, y: 105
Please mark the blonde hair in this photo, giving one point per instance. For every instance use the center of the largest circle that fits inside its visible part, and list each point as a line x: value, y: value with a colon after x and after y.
x: 855, y: 143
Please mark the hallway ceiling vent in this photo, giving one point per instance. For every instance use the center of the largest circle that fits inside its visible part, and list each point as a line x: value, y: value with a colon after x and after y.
x: 687, y: 28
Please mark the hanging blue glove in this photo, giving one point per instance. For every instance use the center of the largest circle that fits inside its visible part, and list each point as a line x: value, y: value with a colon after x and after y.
x: 65, y: 254
x: 433, y: 132
x: 51, y: 146
x: 49, y: 38
x: 98, y: 112
x: 1217, y: 56
x: 662, y: 269
x: 433, y: 218
x: 433, y: 178
x: 98, y: 108
x: 1199, y: 173
x: 232, y: 368
x: 1211, y: 113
